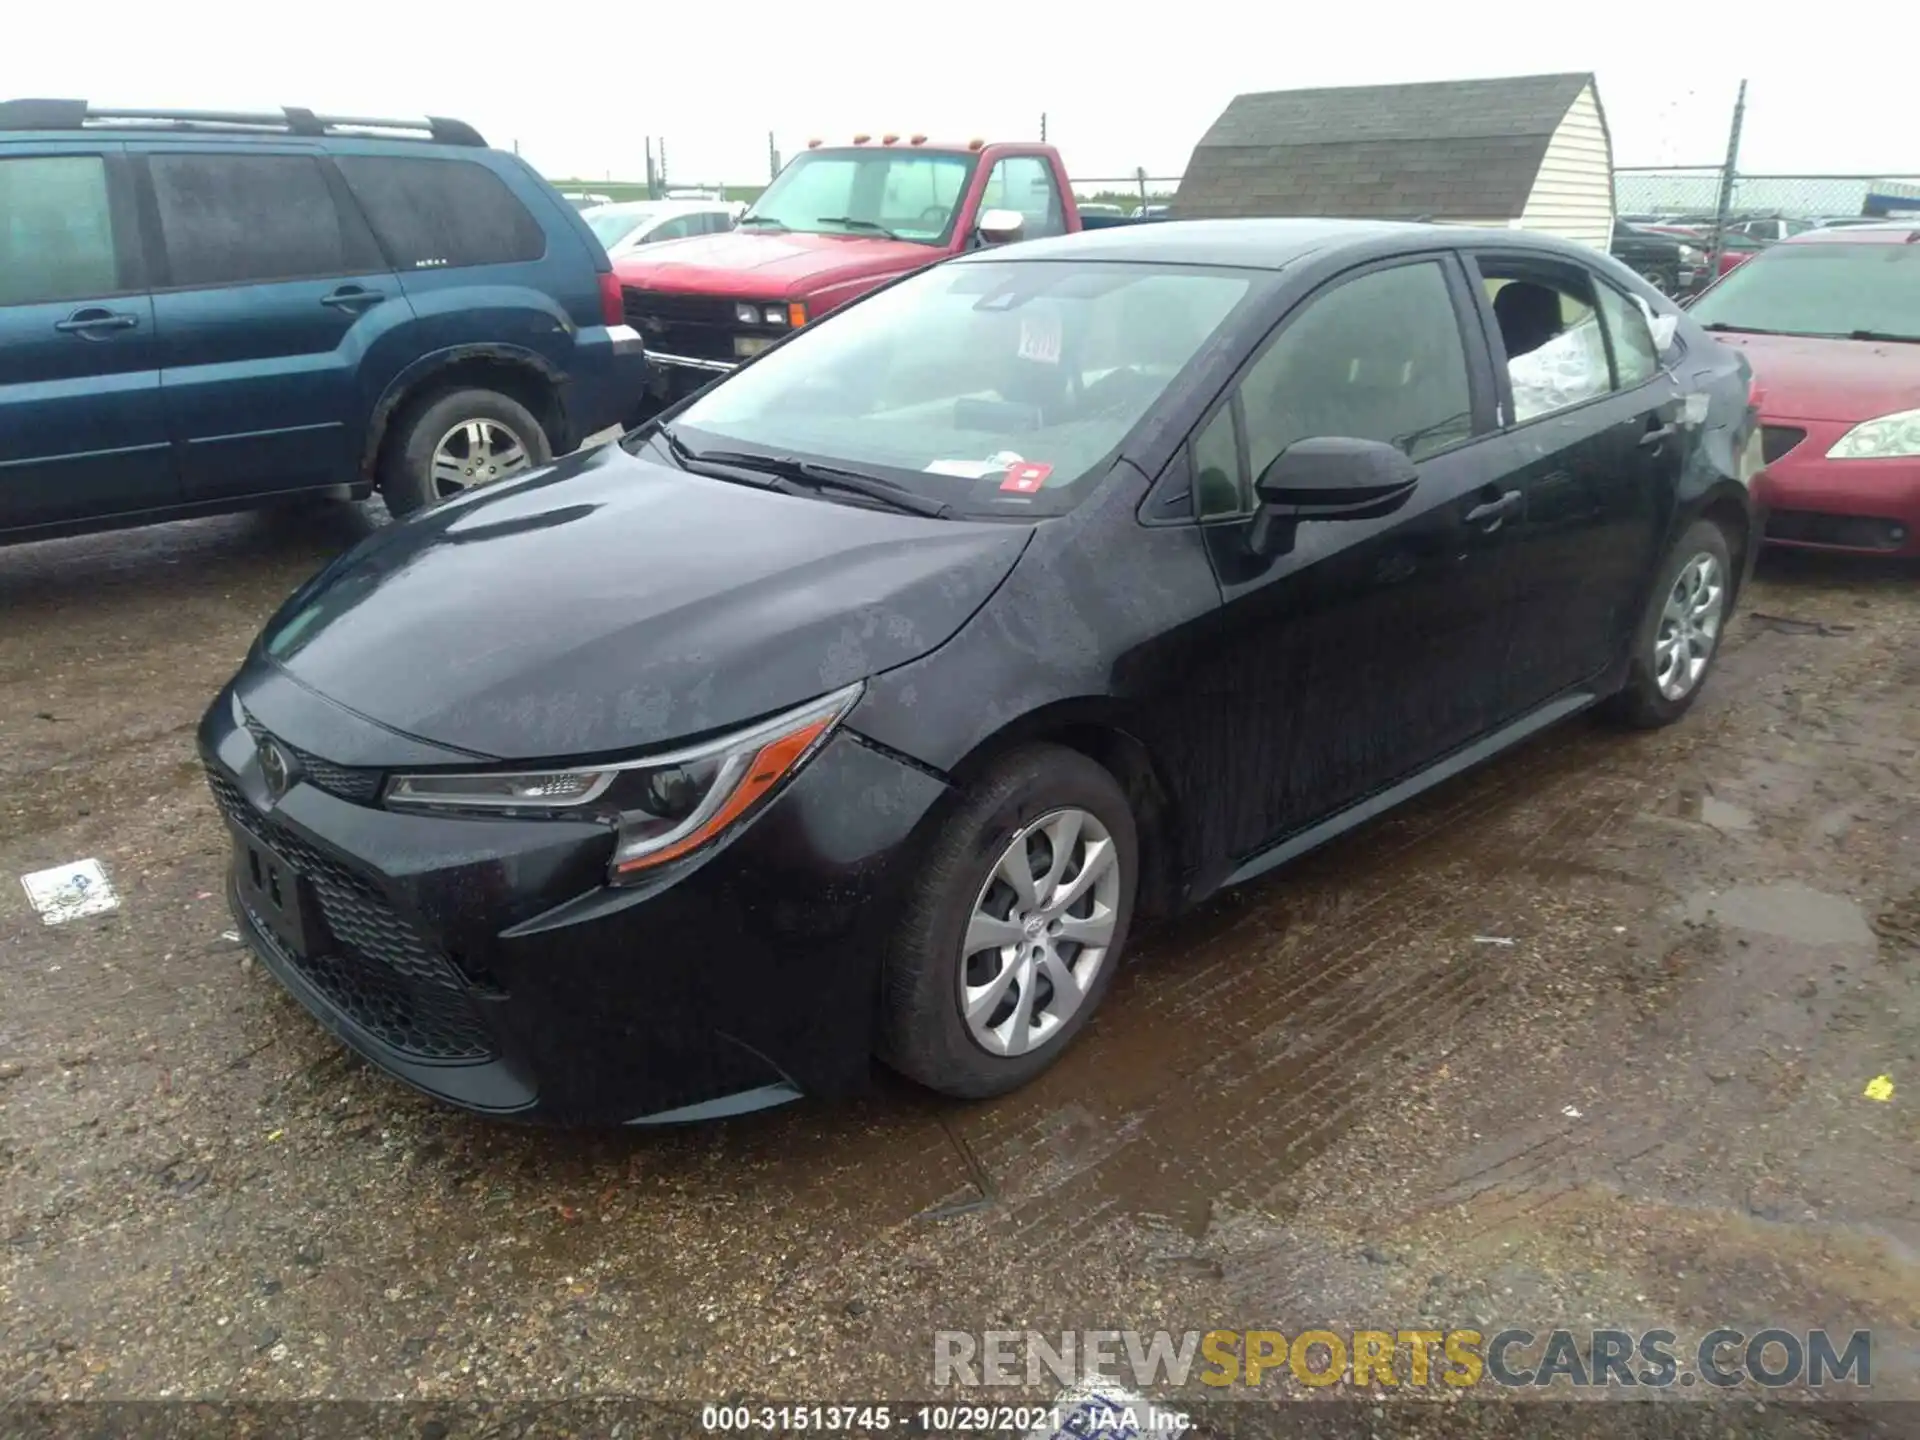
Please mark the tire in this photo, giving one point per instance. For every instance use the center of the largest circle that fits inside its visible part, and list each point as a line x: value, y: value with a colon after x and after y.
x: 407, y: 463
x: 1644, y: 703
x: 924, y: 1033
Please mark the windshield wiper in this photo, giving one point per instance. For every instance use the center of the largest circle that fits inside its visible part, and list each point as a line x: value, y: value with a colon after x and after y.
x: 790, y: 471
x: 852, y: 224
x: 1883, y: 335
x: 745, y: 220
x: 1722, y: 325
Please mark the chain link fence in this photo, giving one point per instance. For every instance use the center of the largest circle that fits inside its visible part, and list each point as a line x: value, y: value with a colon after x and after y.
x: 1693, y: 192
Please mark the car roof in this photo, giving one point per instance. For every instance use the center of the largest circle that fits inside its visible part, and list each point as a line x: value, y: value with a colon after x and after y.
x: 1268, y: 244
x: 1886, y: 232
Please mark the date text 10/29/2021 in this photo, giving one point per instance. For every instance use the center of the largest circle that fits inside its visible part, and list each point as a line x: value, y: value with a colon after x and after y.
x: 1094, y: 1415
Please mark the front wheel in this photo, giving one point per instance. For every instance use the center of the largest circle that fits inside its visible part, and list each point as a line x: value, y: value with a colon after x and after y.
x: 1679, y: 635
x: 1014, y: 927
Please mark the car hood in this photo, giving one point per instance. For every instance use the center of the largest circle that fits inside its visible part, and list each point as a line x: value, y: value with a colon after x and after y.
x: 613, y: 603
x: 761, y: 265
x: 1805, y: 378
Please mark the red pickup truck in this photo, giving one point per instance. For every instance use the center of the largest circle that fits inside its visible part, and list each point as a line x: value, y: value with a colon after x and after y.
x: 836, y: 223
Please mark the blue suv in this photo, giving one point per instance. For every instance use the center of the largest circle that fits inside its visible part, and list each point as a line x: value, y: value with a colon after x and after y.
x: 203, y: 311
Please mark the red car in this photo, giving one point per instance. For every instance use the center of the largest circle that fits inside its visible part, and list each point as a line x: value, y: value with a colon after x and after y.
x: 1831, y: 323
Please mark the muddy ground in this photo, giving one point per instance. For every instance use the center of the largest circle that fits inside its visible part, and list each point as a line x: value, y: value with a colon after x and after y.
x: 1580, y: 1038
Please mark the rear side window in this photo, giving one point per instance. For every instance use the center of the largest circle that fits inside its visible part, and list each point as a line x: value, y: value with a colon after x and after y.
x: 432, y: 214
x: 56, y: 232
x: 1635, y: 357
x: 229, y: 219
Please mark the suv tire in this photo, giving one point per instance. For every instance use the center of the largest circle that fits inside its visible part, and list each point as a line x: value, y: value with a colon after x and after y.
x: 468, y: 430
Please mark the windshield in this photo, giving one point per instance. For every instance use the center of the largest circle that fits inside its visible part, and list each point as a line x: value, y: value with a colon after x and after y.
x: 907, y: 194
x: 1820, y: 288
x: 994, y: 387
x: 609, y: 226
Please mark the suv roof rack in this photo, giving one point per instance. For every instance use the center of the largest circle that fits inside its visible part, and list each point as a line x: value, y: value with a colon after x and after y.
x: 79, y: 115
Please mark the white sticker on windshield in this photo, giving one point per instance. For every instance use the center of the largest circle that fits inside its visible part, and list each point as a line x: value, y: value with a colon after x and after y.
x: 964, y: 469
x: 1040, y: 338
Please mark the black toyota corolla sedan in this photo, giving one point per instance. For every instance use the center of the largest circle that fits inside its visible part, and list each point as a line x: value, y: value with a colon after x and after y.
x: 859, y: 704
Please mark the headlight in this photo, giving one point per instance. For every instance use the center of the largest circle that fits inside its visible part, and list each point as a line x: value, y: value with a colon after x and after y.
x: 662, y: 807
x: 775, y: 314
x: 1882, y: 439
x: 747, y: 314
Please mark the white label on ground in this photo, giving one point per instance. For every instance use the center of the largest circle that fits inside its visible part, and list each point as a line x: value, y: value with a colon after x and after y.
x: 69, y: 892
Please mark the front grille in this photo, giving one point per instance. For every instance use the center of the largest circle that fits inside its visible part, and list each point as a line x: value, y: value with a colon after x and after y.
x: 362, y: 787
x: 1777, y: 440
x: 1854, y: 532
x: 698, y: 326
x: 381, y: 975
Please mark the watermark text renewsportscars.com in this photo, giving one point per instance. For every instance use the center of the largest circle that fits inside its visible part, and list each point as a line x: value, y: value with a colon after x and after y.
x: 1227, y: 1360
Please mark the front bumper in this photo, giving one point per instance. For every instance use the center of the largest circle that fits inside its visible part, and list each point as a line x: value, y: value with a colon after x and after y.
x: 1859, y: 506
x: 487, y: 963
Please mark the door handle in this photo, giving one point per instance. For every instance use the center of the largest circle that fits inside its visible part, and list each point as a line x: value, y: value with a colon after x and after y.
x: 1494, y: 510
x: 351, y: 298
x: 1656, y: 434
x: 94, y: 322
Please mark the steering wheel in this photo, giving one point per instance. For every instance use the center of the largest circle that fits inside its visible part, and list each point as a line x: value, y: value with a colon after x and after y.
x: 934, y: 217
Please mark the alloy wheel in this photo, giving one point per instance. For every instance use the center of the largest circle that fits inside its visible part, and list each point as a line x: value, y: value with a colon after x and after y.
x: 1039, y: 932
x: 1689, y: 626
x: 477, y: 452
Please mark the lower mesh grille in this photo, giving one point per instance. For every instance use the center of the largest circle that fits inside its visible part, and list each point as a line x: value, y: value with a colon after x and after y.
x: 379, y: 973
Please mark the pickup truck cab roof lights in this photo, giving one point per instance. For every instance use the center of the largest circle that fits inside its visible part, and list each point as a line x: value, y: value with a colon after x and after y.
x: 815, y: 143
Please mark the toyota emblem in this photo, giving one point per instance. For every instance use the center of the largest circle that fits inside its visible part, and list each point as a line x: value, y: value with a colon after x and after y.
x: 276, y: 769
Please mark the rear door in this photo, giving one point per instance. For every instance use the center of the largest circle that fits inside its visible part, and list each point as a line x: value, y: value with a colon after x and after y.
x: 1589, y: 429
x: 82, y: 434
x: 269, y: 290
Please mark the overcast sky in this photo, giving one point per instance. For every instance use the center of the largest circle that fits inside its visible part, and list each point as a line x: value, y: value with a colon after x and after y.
x: 1123, y: 84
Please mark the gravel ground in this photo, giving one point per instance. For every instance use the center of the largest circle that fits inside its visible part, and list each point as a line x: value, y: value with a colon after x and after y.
x: 1581, y: 1038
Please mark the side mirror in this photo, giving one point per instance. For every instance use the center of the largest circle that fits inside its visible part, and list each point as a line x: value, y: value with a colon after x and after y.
x: 1330, y: 478
x: 1000, y: 227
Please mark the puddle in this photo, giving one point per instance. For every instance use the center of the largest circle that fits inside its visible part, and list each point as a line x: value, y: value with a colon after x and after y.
x: 1699, y: 804
x: 1787, y: 910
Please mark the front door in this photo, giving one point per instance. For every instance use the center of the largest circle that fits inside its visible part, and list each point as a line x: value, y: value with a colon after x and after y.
x: 270, y: 293
x: 1365, y: 649
x: 82, y: 435
x: 1590, y: 429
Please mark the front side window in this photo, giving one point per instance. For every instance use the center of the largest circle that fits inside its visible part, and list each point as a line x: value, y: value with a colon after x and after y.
x: 1556, y: 356
x: 233, y: 219
x: 1025, y: 183
x: 435, y: 214
x: 995, y: 387
x: 610, y: 227
x: 1829, y: 288
x: 678, y: 228
x: 1376, y: 358
x: 906, y: 194
x: 56, y: 230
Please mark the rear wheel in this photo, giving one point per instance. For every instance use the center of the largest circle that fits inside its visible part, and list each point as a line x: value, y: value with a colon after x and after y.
x: 459, y: 440
x: 1679, y: 635
x: 1014, y: 926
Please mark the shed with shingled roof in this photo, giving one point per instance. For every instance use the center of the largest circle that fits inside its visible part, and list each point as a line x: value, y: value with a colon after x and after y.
x: 1530, y: 152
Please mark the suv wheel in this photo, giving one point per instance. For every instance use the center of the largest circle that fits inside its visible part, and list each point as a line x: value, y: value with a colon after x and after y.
x: 458, y: 440
x: 1014, y: 926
